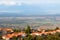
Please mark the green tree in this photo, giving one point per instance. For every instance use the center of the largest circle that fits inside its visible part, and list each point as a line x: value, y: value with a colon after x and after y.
x: 28, y: 30
x: 14, y: 38
x: 56, y: 28
x: 17, y: 30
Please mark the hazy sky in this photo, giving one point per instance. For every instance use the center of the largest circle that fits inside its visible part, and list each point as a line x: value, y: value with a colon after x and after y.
x: 30, y: 6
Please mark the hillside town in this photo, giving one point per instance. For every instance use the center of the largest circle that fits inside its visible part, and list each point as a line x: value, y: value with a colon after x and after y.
x: 9, y: 33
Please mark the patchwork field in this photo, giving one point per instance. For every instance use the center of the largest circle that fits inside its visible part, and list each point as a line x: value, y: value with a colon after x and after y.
x: 34, y: 22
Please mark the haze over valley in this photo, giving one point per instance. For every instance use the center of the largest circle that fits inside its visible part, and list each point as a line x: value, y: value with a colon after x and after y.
x: 35, y: 21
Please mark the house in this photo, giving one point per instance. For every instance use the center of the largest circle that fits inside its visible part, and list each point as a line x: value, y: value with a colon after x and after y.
x: 36, y: 34
x: 15, y: 34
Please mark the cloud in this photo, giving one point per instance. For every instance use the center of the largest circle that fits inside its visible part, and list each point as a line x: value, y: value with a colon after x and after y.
x: 14, y: 11
x: 29, y: 2
x: 54, y: 1
x: 19, y: 2
x: 52, y: 11
x: 48, y: 6
x: 9, y: 2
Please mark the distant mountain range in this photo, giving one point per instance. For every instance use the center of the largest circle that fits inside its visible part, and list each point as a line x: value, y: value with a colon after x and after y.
x: 4, y: 14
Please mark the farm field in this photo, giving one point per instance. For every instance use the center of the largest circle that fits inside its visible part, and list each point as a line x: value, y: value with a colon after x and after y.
x: 34, y: 22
